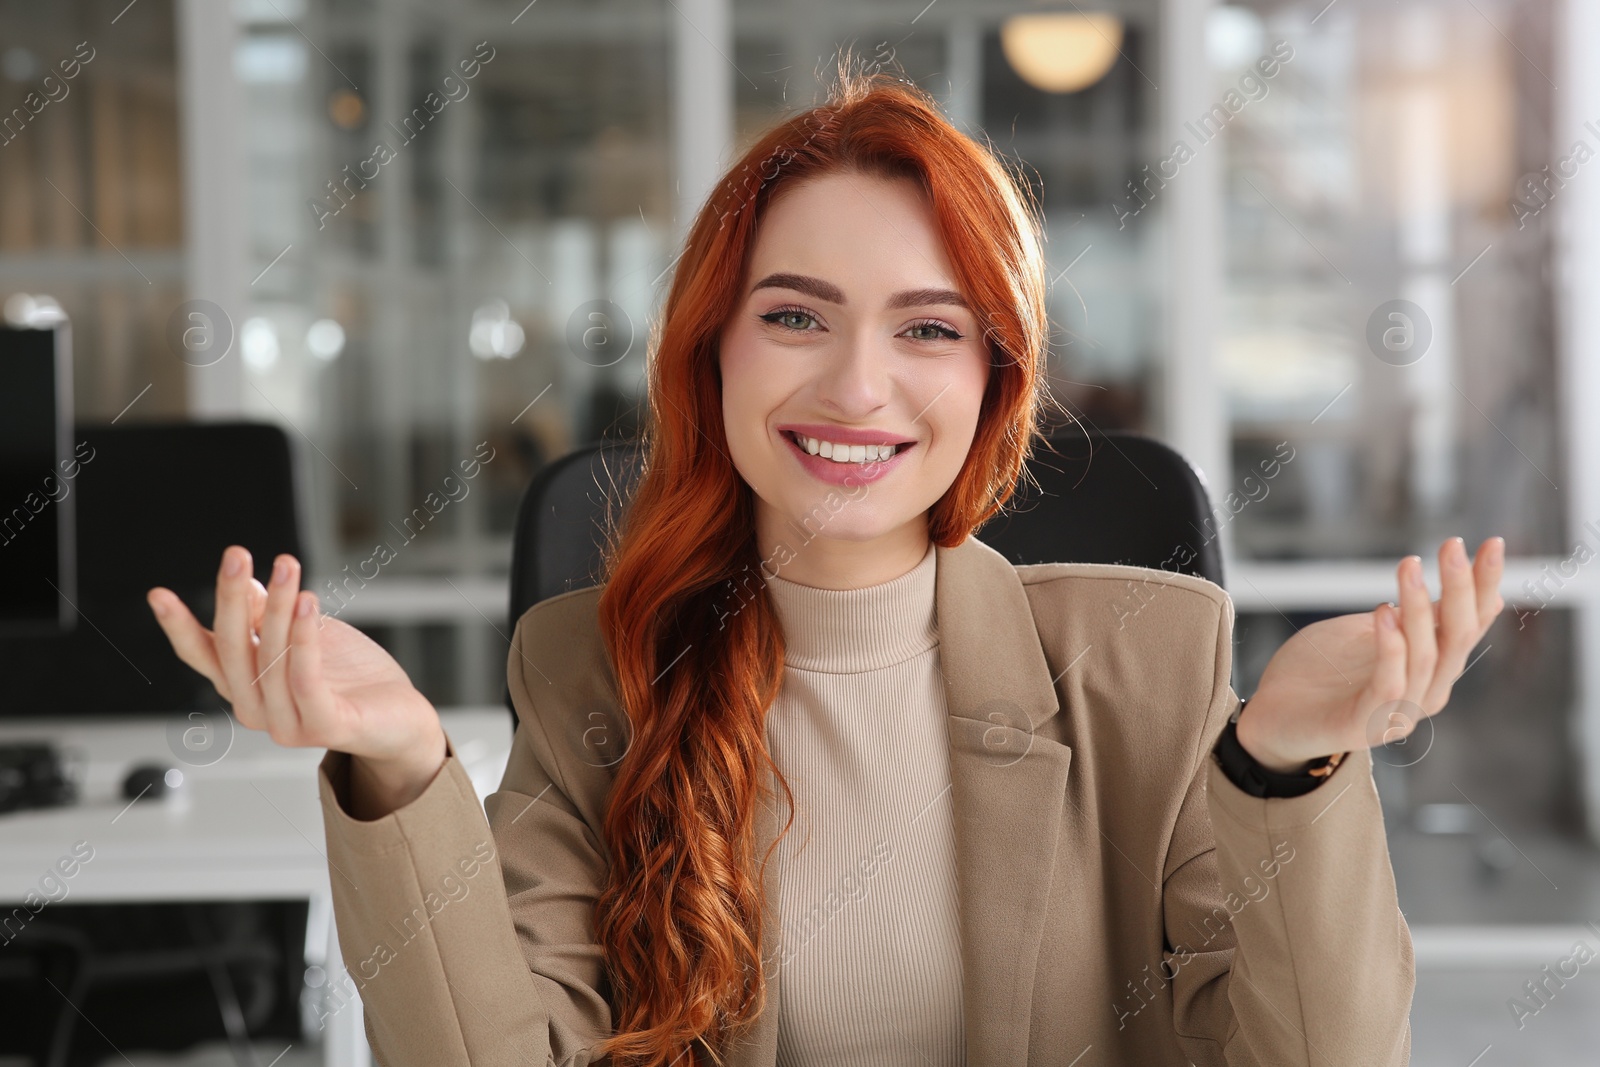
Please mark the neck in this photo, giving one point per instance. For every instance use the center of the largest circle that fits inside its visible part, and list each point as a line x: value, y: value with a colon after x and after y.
x: 810, y: 558
x: 849, y: 631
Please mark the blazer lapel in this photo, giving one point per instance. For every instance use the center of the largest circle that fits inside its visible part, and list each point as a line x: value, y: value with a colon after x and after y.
x: 1008, y: 793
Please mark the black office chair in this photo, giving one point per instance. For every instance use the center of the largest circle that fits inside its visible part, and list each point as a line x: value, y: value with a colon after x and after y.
x: 1101, y: 498
x: 1110, y: 498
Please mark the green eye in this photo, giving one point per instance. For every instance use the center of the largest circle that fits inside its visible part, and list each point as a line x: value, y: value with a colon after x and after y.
x: 932, y: 331
x: 789, y: 318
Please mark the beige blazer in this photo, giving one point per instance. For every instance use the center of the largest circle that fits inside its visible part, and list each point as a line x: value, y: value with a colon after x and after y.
x: 1122, y: 902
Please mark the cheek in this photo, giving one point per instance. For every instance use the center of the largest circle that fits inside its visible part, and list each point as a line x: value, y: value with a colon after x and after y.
x: 735, y: 365
x: 748, y: 394
x: 958, y: 406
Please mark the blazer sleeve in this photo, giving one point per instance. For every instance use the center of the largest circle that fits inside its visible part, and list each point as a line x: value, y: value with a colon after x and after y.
x: 1285, y: 944
x: 469, y: 937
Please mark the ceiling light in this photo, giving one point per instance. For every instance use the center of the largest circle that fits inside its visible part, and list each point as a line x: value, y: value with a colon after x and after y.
x: 258, y: 342
x: 325, y: 339
x: 1061, y: 52
x: 495, y: 334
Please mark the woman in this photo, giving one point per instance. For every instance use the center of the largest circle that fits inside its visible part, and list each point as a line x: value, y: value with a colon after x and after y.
x: 884, y: 798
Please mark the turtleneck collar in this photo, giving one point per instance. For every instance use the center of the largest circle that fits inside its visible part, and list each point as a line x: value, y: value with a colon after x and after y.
x: 848, y: 631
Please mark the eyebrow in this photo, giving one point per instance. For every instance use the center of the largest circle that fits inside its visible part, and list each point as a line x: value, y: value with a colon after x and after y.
x: 822, y: 290
x: 918, y: 297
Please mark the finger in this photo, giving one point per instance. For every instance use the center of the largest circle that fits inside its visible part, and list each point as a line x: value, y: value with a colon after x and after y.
x: 235, y: 643
x: 258, y: 605
x: 1416, y: 622
x: 1487, y: 568
x: 190, y: 640
x: 1388, y: 684
x: 311, y: 693
x: 1458, y: 621
x: 273, y: 651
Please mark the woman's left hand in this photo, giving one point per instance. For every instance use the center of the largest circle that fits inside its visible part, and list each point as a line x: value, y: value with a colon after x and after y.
x: 1367, y: 679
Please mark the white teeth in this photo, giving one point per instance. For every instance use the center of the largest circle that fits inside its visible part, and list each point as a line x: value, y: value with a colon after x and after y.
x: 847, y: 453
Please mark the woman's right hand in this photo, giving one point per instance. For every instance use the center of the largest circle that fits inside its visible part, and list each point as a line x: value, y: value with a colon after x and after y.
x: 309, y: 680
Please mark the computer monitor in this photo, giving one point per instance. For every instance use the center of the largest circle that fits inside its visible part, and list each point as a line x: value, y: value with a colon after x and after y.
x: 38, y: 562
x: 158, y: 501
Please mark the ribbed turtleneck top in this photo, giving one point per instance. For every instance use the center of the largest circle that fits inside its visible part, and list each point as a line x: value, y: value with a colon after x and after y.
x: 869, y: 939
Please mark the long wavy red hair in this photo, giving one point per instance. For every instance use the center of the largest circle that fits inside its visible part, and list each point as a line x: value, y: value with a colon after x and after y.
x: 680, y: 917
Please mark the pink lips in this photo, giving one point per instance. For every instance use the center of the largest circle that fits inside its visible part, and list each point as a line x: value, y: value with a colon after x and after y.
x: 844, y: 435
x: 835, y: 473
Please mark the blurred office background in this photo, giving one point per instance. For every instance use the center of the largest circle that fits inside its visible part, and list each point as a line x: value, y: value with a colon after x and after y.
x: 1376, y: 265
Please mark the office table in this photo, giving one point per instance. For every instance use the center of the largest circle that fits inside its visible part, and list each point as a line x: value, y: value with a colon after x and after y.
x: 247, y: 826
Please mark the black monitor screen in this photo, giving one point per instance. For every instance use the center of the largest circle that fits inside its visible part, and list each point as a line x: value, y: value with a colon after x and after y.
x: 35, y: 483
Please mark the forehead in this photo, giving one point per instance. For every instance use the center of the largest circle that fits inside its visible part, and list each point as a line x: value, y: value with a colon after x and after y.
x: 868, y: 235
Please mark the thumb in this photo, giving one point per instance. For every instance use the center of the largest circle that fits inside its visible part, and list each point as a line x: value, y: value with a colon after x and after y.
x: 258, y: 604
x: 1388, y: 682
x: 313, y: 700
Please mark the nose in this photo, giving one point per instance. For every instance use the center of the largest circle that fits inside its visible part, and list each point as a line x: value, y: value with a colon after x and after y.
x: 856, y: 381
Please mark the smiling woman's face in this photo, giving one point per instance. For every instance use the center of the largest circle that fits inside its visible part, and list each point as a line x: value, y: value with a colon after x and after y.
x: 850, y: 330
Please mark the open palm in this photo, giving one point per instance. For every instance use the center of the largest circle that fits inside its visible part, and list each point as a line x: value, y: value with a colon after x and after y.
x: 1369, y: 678
x: 306, y: 679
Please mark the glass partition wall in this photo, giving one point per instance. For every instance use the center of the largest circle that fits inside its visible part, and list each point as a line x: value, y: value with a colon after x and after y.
x: 91, y: 183
x: 1398, y: 278
x: 1388, y: 297
x: 439, y: 198
x: 1392, y: 377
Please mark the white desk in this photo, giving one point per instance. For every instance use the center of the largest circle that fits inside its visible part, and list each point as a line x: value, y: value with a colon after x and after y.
x: 247, y: 827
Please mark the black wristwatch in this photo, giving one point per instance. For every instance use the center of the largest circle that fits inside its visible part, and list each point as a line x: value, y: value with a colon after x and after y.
x: 1258, y: 781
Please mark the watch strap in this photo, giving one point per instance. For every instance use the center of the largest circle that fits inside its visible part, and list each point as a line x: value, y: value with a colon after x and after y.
x: 1259, y: 781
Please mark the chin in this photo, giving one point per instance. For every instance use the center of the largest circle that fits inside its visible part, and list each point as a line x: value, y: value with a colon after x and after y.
x: 852, y: 521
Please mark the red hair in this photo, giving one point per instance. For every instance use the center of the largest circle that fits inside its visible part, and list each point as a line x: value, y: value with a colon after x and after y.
x: 680, y: 917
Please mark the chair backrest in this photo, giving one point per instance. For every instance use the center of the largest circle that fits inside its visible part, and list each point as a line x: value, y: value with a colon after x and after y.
x: 1101, y: 498
x: 1110, y: 498
x: 560, y: 531
x: 157, y: 503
